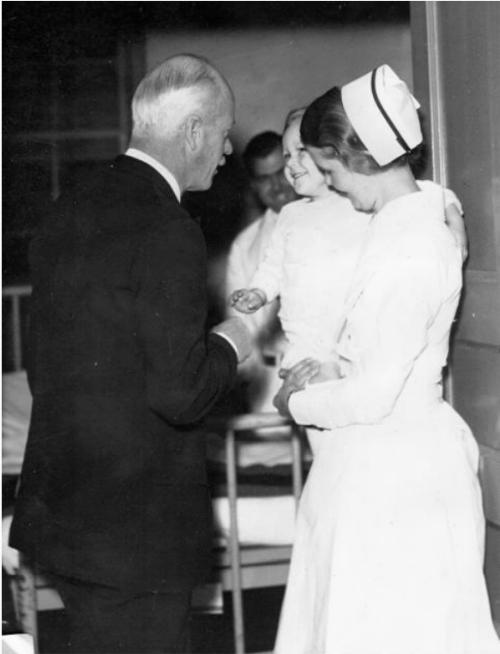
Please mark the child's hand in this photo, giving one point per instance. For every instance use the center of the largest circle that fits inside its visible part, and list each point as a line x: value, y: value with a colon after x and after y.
x: 456, y: 223
x: 461, y: 239
x: 328, y: 370
x: 247, y: 300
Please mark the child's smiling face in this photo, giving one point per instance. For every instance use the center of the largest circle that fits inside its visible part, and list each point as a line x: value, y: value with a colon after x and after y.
x: 300, y: 169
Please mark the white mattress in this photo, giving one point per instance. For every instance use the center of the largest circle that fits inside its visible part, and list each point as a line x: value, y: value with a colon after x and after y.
x: 16, y: 411
x: 261, y: 520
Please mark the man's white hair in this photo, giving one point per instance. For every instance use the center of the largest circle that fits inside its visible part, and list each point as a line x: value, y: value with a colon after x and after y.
x: 181, y: 85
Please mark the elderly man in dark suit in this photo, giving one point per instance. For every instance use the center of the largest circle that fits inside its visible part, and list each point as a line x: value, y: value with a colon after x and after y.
x: 113, y: 497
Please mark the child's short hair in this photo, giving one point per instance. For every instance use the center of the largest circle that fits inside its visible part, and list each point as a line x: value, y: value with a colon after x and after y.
x: 294, y: 114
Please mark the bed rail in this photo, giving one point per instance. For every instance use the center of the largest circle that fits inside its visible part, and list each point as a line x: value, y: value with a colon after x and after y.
x: 255, y: 423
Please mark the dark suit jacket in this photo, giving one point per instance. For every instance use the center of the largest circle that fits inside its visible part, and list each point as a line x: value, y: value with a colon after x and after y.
x: 114, y: 487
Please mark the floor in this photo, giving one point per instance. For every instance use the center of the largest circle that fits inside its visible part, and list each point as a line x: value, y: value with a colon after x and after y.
x: 210, y: 634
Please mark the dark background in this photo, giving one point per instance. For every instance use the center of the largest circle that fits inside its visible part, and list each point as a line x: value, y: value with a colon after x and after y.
x: 51, y: 92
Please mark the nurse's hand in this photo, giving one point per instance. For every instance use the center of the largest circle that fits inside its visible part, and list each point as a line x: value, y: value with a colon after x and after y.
x: 295, y: 379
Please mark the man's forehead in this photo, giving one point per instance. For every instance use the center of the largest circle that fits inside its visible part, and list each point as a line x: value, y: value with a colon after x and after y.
x: 270, y: 165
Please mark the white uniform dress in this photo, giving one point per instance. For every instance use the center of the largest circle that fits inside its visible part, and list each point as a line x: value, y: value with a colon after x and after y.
x: 389, y: 541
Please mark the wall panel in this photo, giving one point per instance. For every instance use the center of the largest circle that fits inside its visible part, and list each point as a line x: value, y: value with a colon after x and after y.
x: 274, y: 70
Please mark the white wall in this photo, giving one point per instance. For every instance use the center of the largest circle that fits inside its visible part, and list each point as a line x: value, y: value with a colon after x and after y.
x: 272, y: 71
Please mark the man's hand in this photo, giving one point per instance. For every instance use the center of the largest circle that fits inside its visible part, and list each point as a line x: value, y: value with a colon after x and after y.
x: 237, y: 334
x: 247, y: 300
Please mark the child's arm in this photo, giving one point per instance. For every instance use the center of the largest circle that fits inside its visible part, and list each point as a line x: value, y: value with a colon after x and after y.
x: 454, y: 215
x: 269, y: 274
x: 247, y: 300
x: 456, y: 223
x: 265, y: 284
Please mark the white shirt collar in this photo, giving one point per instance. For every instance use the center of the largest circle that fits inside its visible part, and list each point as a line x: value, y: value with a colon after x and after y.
x: 164, y: 172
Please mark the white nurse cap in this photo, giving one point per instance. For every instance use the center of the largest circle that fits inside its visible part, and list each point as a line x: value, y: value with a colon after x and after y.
x: 383, y: 114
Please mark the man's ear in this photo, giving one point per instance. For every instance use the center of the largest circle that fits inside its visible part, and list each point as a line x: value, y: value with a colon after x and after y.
x: 193, y: 131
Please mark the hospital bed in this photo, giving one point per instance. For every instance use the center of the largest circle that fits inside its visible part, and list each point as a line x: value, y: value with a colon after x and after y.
x: 257, y: 463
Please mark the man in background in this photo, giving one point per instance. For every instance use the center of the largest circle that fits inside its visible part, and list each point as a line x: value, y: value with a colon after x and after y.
x: 264, y: 162
x: 113, y: 498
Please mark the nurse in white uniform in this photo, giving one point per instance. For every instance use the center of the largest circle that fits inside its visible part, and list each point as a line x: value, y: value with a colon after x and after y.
x: 388, y: 554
